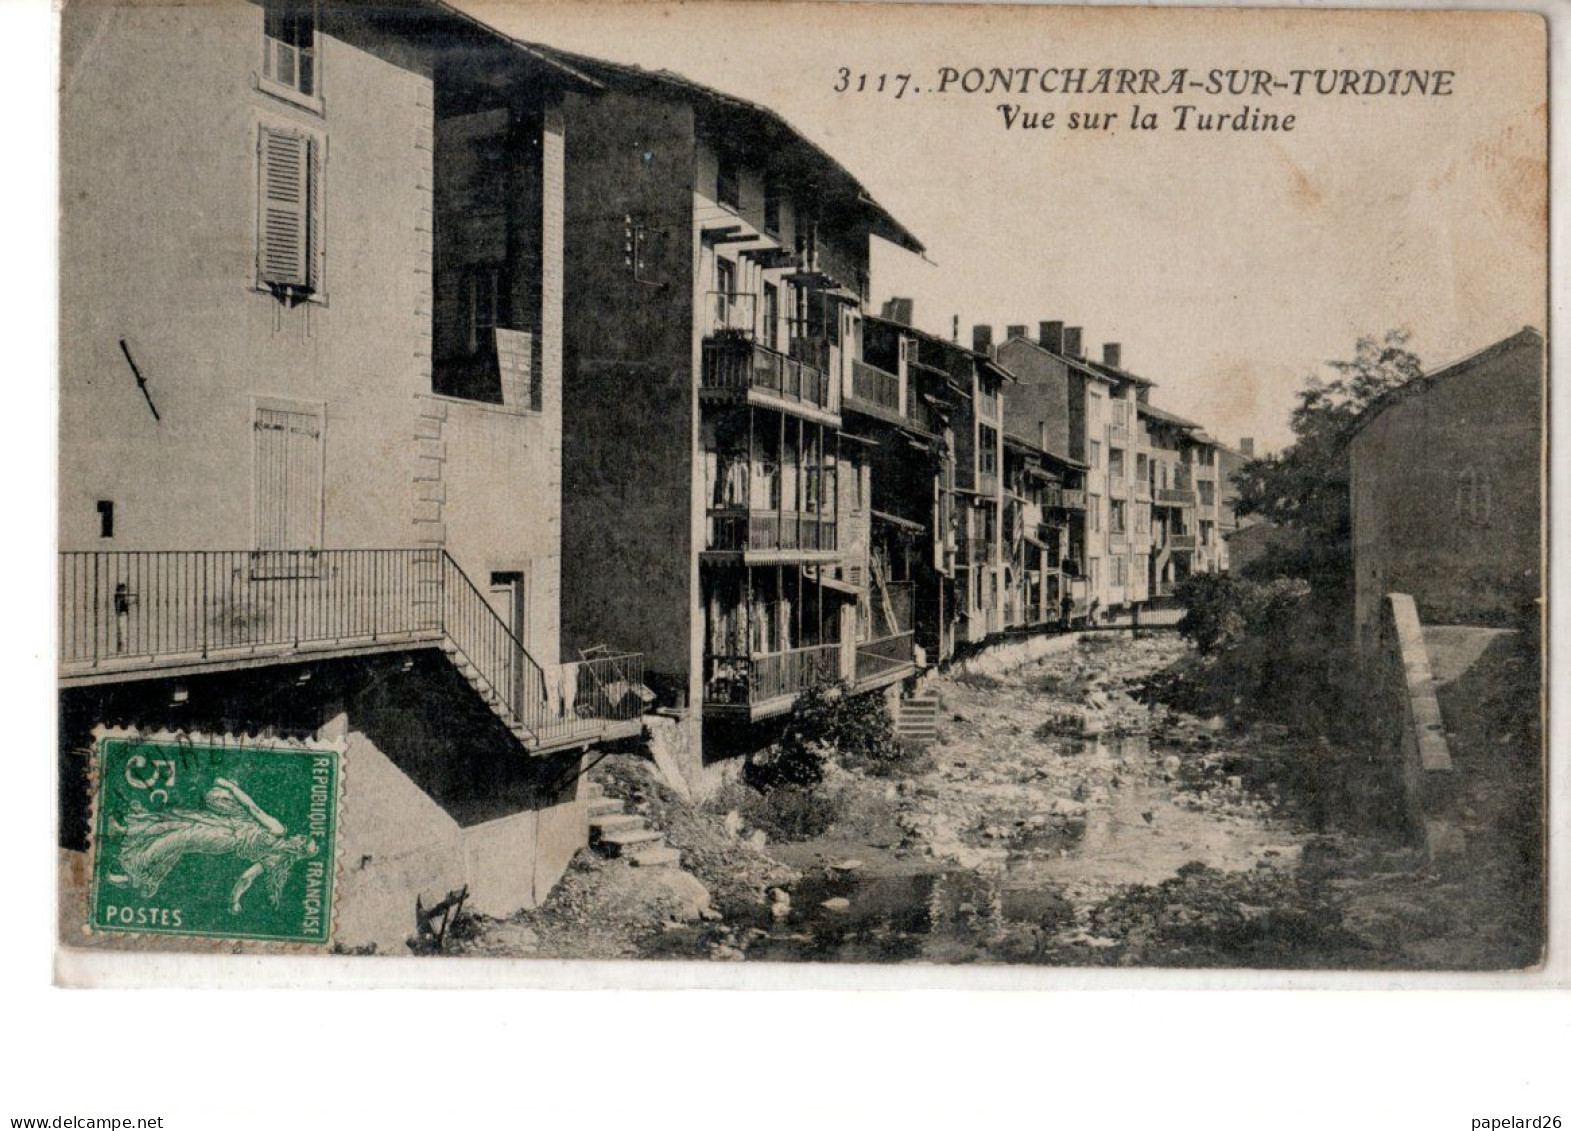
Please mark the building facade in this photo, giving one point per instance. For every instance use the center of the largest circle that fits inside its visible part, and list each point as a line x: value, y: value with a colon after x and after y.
x: 1445, y: 506
x: 310, y: 424
x: 720, y: 518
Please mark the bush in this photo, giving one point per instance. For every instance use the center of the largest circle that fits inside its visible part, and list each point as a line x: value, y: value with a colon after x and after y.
x: 830, y: 720
x: 784, y: 812
x: 1213, y: 611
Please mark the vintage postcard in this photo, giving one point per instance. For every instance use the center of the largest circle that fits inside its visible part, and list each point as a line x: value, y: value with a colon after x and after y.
x: 1024, y: 486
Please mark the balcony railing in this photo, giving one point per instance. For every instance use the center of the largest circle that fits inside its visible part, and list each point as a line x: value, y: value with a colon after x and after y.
x: 1074, y: 499
x: 738, y: 364
x: 738, y: 529
x: 742, y: 681
x: 145, y: 611
x: 987, y: 483
x: 1181, y: 541
x: 1175, y: 497
x: 883, y: 657
x: 875, y: 386
x: 975, y: 549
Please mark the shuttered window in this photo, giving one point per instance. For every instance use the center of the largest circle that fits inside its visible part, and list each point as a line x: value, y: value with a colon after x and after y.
x: 290, y: 238
x: 288, y: 476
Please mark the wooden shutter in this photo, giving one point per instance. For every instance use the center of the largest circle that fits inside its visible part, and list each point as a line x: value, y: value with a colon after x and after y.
x: 283, y: 235
x: 314, y: 199
x: 288, y: 469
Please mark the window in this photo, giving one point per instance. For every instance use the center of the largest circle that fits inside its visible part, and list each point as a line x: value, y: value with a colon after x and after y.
x: 1142, y: 517
x: 987, y: 450
x: 1115, y: 462
x: 290, y: 256
x: 1096, y: 453
x: 1094, y: 511
x: 771, y: 316
x: 289, y: 46
x: 1207, y: 490
x: 1473, y: 495
x: 772, y: 205
x: 725, y: 291
x: 482, y: 305
x: 728, y: 182
x: 1120, y: 570
x: 1094, y: 572
x: 1141, y: 465
x: 1115, y: 516
x: 106, y: 518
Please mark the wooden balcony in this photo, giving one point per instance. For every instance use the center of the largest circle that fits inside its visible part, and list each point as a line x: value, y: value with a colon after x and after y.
x: 876, y: 387
x: 771, y: 535
x: 764, y: 684
x: 1175, y: 497
x: 1074, y: 499
x: 1181, y: 542
x: 884, y: 661
x: 750, y: 371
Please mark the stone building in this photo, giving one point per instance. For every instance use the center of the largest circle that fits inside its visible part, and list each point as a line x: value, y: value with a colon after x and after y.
x: 310, y: 424
x: 1446, y: 484
x: 719, y: 517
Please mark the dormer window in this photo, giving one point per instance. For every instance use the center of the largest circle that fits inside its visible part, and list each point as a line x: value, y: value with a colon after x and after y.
x: 728, y: 182
x: 289, y: 46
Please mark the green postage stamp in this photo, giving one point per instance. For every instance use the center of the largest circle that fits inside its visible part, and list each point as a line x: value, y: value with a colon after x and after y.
x: 222, y: 838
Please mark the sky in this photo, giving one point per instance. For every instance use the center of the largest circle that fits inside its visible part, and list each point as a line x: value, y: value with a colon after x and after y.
x: 1228, y: 265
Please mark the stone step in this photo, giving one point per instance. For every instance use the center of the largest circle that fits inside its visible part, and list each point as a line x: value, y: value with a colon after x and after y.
x: 623, y: 839
x: 661, y: 856
x: 602, y: 805
x: 613, y: 822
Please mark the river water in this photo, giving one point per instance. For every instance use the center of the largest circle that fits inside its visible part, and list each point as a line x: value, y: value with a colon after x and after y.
x: 1019, y: 830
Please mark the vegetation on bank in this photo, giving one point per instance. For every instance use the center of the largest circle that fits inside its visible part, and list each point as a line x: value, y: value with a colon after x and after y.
x: 784, y: 789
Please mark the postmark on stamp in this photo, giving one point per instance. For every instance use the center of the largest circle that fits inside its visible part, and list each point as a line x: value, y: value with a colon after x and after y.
x: 214, y: 837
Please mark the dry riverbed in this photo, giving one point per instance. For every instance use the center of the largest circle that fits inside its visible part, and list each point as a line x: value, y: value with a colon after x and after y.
x: 1061, y: 821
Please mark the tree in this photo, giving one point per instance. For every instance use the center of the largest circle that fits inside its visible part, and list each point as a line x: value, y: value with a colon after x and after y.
x: 1305, y: 487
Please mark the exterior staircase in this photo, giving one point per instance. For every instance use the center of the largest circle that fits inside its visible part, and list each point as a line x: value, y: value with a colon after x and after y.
x: 617, y: 833
x: 916, y: 719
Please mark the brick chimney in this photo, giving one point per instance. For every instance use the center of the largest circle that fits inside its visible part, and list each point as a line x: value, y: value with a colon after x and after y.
x: 1016, y: 332
x: 899, y: 310
x: 1247, y: 446
x: 1072, y: 341
x: 1051, y: 336
x: 982, y: 338
x: 1110, y: 355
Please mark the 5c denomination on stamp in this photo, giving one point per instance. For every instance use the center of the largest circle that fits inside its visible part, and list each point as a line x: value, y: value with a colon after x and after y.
x: 219, y: 838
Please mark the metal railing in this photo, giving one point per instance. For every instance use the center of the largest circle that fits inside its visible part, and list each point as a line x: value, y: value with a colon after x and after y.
x: 140, y: 607
x: 744, y: 680
x: 145, y: 610
x: 874, y: 385
x: 736, y: 364
x: 875, y: 658
x: 734, y: 529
